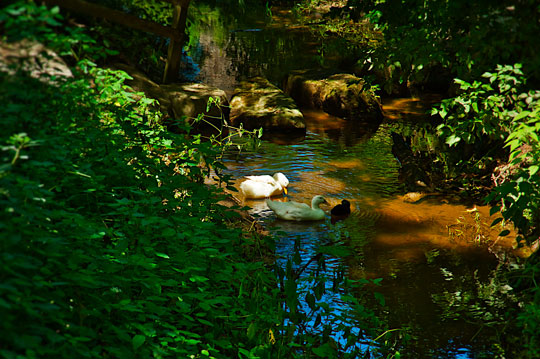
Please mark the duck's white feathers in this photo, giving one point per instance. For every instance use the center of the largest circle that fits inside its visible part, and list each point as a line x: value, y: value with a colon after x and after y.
x: 295, y: 211
x: 262, y: 179
x: 264, y: 186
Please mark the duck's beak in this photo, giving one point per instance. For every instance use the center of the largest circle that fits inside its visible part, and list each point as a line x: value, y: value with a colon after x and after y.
x: 285, y: 190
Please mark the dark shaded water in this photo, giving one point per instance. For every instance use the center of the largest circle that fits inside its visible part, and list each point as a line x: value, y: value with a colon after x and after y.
x: 233, y: 45
x: 440, y: 284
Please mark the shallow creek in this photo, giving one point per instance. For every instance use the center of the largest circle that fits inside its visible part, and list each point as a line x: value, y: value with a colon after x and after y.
x: 438, y: 270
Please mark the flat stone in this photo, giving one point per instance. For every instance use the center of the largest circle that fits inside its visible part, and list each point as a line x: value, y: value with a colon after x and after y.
x: 257, y: 103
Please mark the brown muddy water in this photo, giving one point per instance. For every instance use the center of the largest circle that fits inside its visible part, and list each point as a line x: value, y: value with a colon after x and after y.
x: 438, y: 259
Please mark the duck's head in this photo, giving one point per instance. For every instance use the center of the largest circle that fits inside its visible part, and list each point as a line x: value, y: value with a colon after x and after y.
x: 346, y: 203
x: 282, y: 180
x: 317, y: 200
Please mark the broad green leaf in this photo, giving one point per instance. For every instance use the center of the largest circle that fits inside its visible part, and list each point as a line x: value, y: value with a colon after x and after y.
x: 521, y: 115
x: 452, y: 140
x: 380, y: 298
x: 198, y: 278
x: 251, y: 330
x: 324, y: 351
x: 138, y: 340
x: 310, y: 300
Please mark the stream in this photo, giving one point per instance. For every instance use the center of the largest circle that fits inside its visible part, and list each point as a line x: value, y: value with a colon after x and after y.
x: 437, y: 259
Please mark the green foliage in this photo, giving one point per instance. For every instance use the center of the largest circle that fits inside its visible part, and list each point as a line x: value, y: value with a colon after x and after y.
x: 480, y: 114
x: 99, y: 254
x: 529, y: 321
x: 518, y: 195
x: 486, y: 116
x: 24, y: 20
x: 157, y: 11
x: 110, y: 245
x: 432, y: 41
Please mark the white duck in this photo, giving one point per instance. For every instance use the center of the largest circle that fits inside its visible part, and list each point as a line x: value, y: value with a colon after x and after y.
x: 295, y: 211
x: 264, y: 186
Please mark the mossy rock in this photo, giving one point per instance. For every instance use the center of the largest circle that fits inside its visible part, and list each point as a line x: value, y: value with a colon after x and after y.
x: 182, y: 101
x: 341, y: 95
x: 257, y: 103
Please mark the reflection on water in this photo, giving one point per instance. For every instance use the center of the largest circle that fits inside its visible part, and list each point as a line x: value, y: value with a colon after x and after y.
x: 403, y: 109
x: 344, y: 133
x: 231, y: 46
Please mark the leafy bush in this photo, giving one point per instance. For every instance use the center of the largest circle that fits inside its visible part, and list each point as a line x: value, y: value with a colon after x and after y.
x: 500, y: 120
x: 24, y: 20
x: 111, y: 246
x: 484, y: 118
x: 519, y: 194
x: 476, y: 122
x: 100, y: 255
x: 428, y: 43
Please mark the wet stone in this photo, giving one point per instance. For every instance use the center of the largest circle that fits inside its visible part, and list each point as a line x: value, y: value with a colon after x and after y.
x: 258, y: 103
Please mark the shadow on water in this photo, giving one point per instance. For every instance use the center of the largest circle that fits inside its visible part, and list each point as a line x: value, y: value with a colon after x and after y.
x: 438, y: 259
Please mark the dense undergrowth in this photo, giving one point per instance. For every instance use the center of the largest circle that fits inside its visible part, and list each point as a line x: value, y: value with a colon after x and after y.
x: 106, y: 250
x: 113, y: 247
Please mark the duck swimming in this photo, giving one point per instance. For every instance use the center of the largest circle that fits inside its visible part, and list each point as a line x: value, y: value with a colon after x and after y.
x: 264, y: 186
x: 343, y: 209
x: 295, y: 211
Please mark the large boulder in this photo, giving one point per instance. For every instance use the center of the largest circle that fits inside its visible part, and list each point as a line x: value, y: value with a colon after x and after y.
x: 340, y: 95
x: 258, y: 103
x: 33, y: 58
x: 191, y: 99
x: 182, y: 101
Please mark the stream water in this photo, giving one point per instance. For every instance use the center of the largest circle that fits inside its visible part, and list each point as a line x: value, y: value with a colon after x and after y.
x: 437, y: 258
x: 440, y: 278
